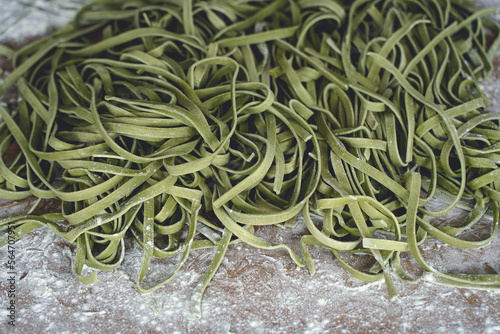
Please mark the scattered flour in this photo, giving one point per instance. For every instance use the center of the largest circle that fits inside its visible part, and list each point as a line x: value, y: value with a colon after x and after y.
x: 255, y: 291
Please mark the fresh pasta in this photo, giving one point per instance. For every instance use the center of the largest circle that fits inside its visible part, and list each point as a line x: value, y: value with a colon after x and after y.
x: 186, y: 124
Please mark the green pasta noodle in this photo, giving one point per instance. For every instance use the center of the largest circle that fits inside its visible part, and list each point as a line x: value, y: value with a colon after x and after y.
x: 186, y: 124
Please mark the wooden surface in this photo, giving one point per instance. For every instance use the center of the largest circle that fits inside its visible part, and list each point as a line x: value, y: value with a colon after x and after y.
x: 254, y: 291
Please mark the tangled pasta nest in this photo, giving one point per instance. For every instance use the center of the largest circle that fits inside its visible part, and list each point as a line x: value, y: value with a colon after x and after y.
x: 188, y: 123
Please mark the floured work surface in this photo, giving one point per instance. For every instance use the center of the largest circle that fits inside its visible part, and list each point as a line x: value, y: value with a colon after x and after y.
x: 253, y: 291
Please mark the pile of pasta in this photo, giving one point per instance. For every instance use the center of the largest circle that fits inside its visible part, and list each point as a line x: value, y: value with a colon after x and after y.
x: 187, y: 124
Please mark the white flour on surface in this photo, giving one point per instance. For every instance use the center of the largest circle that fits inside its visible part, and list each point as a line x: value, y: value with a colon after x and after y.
x: 23, y: 19
x: 253, y: 291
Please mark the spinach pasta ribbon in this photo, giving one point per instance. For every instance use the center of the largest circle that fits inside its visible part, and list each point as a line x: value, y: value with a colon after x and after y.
x: 188, y: 124
x: 395, y: 92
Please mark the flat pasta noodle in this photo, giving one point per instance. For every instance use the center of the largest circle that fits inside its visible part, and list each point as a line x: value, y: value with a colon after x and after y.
x: 187, y: 124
